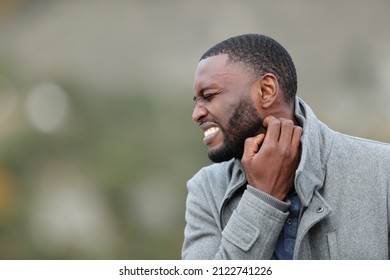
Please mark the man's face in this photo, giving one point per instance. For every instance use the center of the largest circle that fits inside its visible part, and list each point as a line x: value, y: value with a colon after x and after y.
x: 224, y: 108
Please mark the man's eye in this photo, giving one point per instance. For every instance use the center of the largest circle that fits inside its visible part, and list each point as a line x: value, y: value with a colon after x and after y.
x: 208, y: 96
x: 205, y: 97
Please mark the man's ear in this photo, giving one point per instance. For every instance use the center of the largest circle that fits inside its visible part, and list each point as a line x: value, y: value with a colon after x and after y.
x: 268, y: 88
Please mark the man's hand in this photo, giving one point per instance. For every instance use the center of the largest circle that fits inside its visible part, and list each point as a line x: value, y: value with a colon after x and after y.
x: 270, y: 160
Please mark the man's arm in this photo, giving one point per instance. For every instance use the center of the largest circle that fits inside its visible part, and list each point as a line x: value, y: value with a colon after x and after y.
x: 251, y: 232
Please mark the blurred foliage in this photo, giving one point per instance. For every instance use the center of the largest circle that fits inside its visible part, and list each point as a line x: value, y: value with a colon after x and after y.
x: 117, y: 140
x: 109, y: 181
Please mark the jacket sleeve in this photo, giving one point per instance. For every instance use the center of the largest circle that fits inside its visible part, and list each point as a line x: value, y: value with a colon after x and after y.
x: 250, y: 233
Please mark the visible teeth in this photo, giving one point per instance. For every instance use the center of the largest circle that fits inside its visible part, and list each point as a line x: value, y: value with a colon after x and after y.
x: 210, y: 131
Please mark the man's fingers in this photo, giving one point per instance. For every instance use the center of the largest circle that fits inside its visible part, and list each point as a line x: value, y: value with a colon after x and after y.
x: 286, y: 131
x: 273, y: 129
x: 252, y: 145
x: 296, y: 137
x: 282, y: 130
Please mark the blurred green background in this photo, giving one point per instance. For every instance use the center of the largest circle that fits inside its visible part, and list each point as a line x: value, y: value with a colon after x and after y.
x: 96, y: 136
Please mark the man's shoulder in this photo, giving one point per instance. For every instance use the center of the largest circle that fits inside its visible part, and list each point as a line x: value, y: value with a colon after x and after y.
x: 363, y: 148
x: 215, y: 172
x: 354, y: 141
x: 217, y: 179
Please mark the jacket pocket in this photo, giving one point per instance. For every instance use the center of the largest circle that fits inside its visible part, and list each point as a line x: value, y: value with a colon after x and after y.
x: 240, y: 232
x: 333, y: 246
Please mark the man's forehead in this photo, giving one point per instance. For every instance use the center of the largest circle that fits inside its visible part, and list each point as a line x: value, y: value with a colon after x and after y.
x: 217, y: 67
x: 212, y: 63
x: 212, y: 71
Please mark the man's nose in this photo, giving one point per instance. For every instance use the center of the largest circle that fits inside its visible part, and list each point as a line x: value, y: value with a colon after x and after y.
x: 199, y: 112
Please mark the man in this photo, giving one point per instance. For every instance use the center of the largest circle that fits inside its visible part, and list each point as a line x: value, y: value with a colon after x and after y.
x: 283, y: 186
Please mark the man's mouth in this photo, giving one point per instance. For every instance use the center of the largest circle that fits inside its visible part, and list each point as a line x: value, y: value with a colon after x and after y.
x: 210, y: 133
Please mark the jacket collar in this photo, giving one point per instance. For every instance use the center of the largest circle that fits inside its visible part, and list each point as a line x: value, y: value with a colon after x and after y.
x: 316, y: 142
x: 238, y: 179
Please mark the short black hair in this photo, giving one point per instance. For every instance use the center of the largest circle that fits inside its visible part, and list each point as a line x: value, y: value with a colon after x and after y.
x: 262, y: 55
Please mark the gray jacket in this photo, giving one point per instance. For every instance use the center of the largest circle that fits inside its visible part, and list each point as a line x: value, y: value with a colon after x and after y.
x: 343, y: 183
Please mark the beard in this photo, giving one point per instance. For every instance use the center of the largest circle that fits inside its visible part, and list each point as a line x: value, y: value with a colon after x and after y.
x: 245, y: 122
